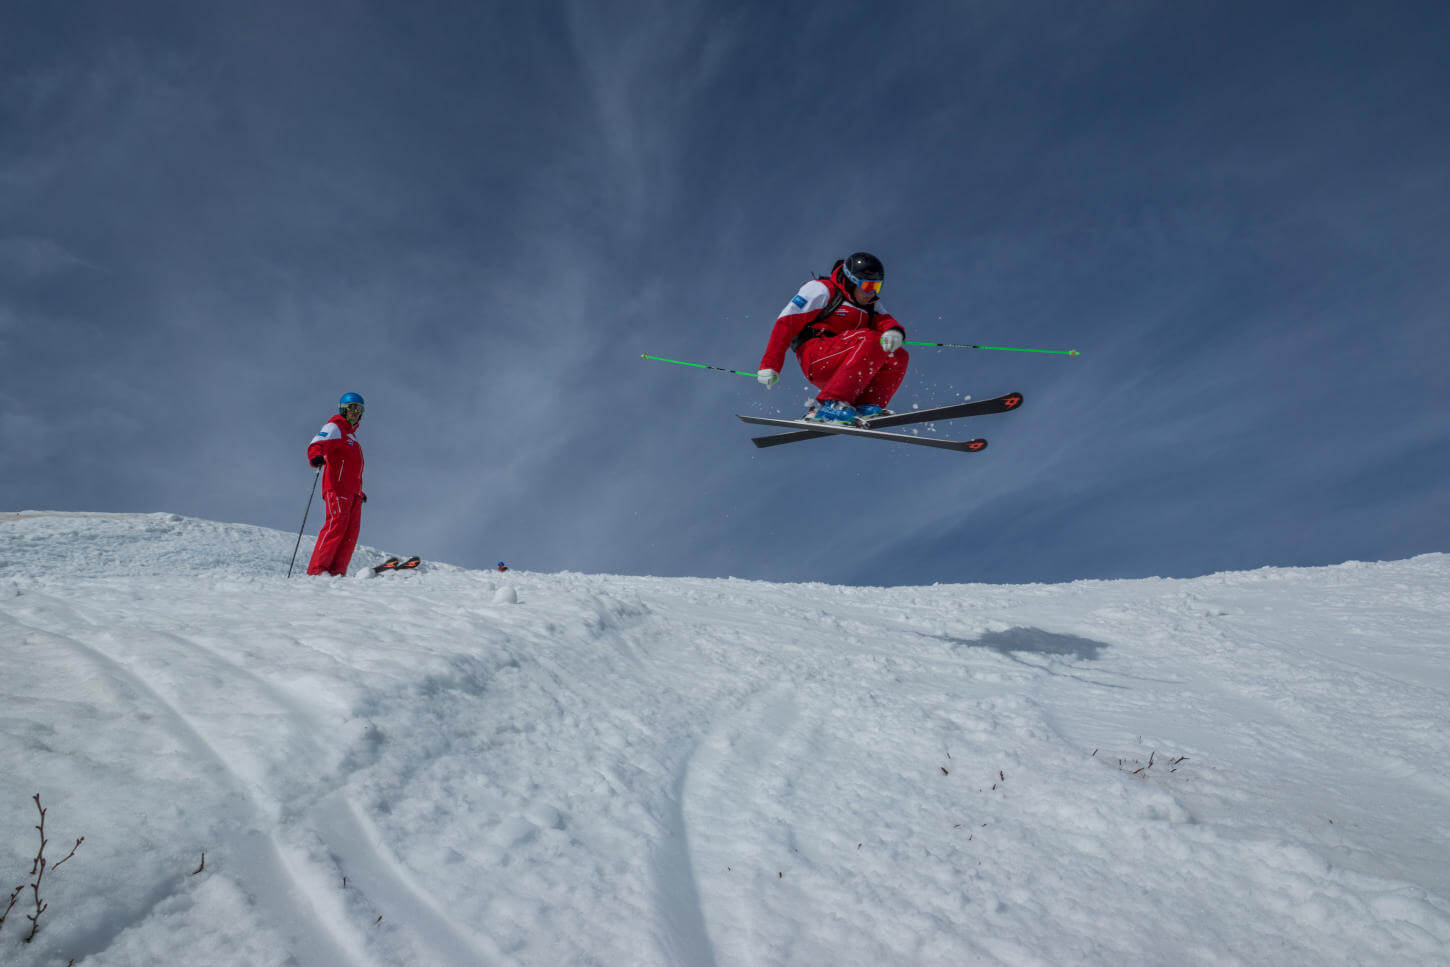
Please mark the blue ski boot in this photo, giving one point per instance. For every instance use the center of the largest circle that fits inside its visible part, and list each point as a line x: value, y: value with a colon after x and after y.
x: 831, y: 411
x: 867, y: 410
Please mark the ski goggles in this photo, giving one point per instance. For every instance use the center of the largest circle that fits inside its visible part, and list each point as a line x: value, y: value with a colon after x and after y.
x: 865, y: 285
x: 356, y: 408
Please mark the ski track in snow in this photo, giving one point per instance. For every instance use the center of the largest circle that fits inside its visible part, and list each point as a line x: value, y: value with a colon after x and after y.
x: 143, y: 662
x: 1242, y: 768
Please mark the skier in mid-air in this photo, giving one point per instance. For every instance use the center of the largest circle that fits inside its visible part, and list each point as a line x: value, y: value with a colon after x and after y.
x: 846, y: 346
x: 336, y: 451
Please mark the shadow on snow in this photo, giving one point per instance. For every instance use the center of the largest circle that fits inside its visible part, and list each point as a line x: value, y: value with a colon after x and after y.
x: 1038, y: 642
x: 1014, y: 643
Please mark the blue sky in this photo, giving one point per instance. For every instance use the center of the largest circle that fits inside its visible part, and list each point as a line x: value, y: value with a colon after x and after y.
x: 213, y: 222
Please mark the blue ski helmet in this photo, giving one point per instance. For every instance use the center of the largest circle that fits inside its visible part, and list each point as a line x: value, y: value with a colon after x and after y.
x: 347, y: 400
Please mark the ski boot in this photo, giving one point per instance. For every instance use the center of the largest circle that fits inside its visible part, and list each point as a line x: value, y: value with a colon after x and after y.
x: 832, y: 411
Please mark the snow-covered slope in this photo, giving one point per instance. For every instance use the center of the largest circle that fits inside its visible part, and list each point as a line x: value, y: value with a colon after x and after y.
x: 455, y: 767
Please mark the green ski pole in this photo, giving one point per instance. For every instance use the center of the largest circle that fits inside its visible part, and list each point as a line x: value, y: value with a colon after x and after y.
x: 962, y: 345
x: 718, y: 369
x: 1005, y: 349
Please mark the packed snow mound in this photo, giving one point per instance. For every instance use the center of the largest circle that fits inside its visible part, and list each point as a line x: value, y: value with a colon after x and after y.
x: 45, y: 543
x: 465, y: 767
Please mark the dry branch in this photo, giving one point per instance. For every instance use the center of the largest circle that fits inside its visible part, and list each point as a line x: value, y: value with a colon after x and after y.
x: 37, y: 870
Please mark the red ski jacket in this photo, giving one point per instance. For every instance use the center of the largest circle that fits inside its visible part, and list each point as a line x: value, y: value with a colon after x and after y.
x: 807, y: 304
x: 337, y: 444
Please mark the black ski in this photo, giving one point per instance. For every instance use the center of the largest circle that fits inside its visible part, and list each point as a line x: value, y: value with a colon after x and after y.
x: 964, y: 446
x: 388, y: 565
x: 998, y: 404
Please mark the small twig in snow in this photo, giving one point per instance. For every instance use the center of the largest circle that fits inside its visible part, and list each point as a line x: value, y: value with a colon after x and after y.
x: 37, y: 870
x: 9, y: 906
x: 72, y: 852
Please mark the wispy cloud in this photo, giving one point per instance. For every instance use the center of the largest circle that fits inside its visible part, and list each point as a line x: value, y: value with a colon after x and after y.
x: 480, y: 219
x: 34, y: 258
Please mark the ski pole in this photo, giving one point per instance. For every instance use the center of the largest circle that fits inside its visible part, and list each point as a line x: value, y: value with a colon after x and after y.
x: 315, y: 477
x: 718, y: 369
x: 1005, y: 349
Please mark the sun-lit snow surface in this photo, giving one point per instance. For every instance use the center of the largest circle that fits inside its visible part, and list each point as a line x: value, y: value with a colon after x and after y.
x: 1243, y: 768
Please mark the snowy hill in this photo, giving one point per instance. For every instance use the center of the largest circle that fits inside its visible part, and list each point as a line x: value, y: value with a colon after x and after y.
x: 455, y: 767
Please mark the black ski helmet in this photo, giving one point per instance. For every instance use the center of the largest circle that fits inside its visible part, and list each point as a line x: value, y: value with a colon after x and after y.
x: 863, y: 265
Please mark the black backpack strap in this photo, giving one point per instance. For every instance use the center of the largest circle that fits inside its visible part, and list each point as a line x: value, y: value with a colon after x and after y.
x: 809, y: 331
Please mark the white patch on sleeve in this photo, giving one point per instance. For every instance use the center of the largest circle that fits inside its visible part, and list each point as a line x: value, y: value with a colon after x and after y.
x: 329, y: 431
x: 812, y: 298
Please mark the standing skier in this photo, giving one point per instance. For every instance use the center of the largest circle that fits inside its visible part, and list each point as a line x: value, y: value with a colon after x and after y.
x: 335, y: 449
x: 844, y: 343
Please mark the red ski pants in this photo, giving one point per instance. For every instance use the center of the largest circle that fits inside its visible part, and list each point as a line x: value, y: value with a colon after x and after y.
x: 338, y: 536
x: 853, y: 368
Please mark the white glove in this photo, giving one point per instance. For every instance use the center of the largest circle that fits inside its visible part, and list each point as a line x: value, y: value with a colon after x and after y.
x: 891, y: 340
x: 767, y: 377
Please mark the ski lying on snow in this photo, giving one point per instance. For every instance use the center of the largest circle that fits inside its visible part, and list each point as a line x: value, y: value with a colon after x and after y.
x: 394, y: 564
x: 998, y: 404
x: 964, y: 446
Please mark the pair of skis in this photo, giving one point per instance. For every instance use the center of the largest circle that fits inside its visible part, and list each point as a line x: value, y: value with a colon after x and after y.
x: 395, y: 564
x: 874, y: 428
